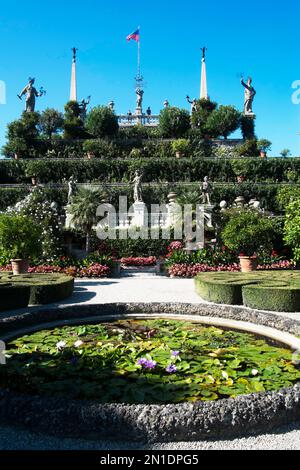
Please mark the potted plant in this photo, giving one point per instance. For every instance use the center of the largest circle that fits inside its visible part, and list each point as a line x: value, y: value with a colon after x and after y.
x: 246, y: 233
x: 264, y: 146
x: 240, y: 167
x: 180, y: 147
x: 20, y: 241
x: 90, y: 147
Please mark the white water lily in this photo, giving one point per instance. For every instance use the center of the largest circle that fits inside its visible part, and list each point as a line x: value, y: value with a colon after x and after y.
x: 61, y: 345
x: 78, y: 344
x: 254, y: 372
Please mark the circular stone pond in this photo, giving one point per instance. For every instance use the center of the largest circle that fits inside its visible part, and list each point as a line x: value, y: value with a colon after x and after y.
x: 157, y: 377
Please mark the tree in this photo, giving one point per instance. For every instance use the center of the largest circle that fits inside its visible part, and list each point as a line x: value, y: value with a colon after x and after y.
x: 223, y: 121
x: 247, y: 127
x: 204, y: 108
x: 51, y: 122
x: 102, y: 122
x: 22, y: 136
x: 174, y: 122
x: 285, y: 153
x: 73, y: 124
x: 292, y: 228
x: 248, y: 232
x: 83, y: 211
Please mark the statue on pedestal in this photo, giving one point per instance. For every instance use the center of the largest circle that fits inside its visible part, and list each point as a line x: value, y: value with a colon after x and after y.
x: 250, y: 93
x: 166, y: 104
x: 193, y: 103
x: 31, y: 93
x: 138, y: 195
x: 139, y: 98
x: 72, y: 184
x: 111, y: 105
x: 206, y: 191
x: 83, y: 107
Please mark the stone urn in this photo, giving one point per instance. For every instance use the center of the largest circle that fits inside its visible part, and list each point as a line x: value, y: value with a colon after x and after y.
x: 248, y: 263
x: 19, y: 266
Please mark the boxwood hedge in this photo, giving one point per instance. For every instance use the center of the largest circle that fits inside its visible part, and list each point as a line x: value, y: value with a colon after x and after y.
x: 273, y: 291
x: 42, y: 288
x: 13, y: 296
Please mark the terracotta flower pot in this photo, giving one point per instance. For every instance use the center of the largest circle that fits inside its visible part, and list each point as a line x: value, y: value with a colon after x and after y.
x: 19, y: 266
x: 248, y: 264
x: 241, y: 179
x: 263, y: 154
x: 179, y: 154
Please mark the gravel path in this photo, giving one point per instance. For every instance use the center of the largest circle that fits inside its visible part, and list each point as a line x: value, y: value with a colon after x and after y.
x: 287, y: 438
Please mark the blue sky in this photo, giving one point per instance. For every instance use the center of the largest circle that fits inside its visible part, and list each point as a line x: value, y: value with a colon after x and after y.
x: 259, y: 38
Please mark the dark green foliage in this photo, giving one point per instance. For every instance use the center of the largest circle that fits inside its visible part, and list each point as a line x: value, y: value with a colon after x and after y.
x: 273, y: 291
x: 13, y: 297
x: 223, y: 121
x: 248, y: 127
x: 73, y: 124
x: 174, y: 122
x: 51, y: 122
x: 102, y: 122
x: 248, y: 149
x: 44, y: 288
x: 20, y: 237
x: 22, y: 136
x: 248, y: 232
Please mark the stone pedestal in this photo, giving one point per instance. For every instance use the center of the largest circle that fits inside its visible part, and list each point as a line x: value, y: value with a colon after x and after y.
x: 69, y: 219
x: 140, y: 217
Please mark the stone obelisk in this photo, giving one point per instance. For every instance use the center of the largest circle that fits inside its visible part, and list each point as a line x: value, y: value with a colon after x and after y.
x: 203, y: 91
x: 73, y: 92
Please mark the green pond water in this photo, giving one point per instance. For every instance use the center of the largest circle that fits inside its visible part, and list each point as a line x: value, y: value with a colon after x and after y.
x: 146, y: 361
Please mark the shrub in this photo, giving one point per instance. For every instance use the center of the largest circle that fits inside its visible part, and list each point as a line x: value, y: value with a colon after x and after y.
x: 44, y: 288
x: 272, y: 291
x: 20, y: 237
x: 100, y: 148
x: 102, y: 122
x: 73, y: 124
x: 292, y: 228
x: 13, y: 297
x: 181, y: 146
x: 264, y: 145
x: 247, y: 232
x: 174, y: 122
x: 248, y: 127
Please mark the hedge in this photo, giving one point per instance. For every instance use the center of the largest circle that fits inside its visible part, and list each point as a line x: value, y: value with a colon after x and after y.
x: 13, y: 297
x: 273, y: 291
x: 154, y: 169
x: 44, y: 288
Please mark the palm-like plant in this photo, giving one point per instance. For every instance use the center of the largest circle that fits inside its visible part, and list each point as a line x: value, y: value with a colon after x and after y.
x: 83, y: 210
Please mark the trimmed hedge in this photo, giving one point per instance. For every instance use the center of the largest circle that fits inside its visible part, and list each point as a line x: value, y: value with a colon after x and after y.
x: 273, y: 291
x: 43, y: 288
x: 155, y: 169
x: 13, y: 297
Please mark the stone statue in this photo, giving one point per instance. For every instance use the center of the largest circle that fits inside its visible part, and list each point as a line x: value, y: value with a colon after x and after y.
x: 72, y: 188
x: 31, y: 93
x: 83, y: 107
x: 139, y: 98
x: 166, y: 104
x: 206, y: 191
x: 203, y: 49
x: 138, y: 196
x: 193, y: 103
x: 111, y: 105
x: 249, y: 96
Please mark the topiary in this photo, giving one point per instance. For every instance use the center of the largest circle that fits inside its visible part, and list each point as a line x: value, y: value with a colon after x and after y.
x: 102, y: 122
x: 174, y: 122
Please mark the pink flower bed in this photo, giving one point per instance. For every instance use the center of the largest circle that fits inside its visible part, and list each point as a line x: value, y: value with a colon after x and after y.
x: 192, y: 270
x: 150, y: 261
x: 94, y: 271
